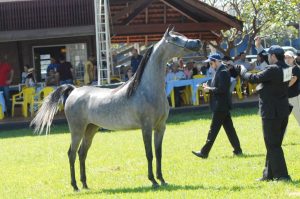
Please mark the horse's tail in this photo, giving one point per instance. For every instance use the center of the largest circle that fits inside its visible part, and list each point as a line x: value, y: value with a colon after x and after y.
x: 50, y: 107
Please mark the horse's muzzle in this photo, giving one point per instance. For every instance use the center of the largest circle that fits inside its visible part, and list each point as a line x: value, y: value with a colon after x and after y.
x: 194, y: 44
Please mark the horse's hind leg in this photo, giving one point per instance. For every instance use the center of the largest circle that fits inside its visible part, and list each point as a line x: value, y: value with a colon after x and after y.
x: 147, y: 137
x: 76, y: 137
x: 158, y: 138
x: 83, y: 150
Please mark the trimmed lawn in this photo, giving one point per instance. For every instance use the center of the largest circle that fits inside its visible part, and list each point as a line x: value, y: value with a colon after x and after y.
x: 33, y: 166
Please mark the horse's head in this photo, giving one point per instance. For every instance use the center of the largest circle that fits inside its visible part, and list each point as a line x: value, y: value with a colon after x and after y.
x: 179, y: 44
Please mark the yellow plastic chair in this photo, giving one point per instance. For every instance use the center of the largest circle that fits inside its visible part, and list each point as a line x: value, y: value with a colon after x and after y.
x: 40, y: 96
x: 1, y: 112
x: 186, y: 95
x: 238, y: 88
x: 252, y: 87
x: 23, y: 98
x: 200, y: 91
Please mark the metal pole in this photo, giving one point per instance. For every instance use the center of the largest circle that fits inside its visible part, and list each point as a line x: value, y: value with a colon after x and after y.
x: 97, y: 40
x: 107, y: 39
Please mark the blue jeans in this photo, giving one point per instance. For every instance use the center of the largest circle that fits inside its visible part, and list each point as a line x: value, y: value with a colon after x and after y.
x: 5, y: 90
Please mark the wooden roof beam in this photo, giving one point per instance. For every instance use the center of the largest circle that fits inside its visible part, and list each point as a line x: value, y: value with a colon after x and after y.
x: 178, y: 10
x: 212, y: 12
x: 161, y: 28
x: 133, y: 10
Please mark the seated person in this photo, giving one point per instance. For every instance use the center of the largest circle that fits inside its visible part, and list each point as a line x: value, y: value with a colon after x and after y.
x: 176, y: 74
x: 30, y: 78
x: 51, y: 79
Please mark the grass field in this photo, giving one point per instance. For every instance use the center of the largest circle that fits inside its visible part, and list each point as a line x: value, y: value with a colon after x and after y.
x: 34, y: 166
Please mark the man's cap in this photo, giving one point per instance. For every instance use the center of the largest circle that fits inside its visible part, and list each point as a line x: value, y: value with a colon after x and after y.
x: 290, y: 53
x: 276, y: 49
x: 213, y: 57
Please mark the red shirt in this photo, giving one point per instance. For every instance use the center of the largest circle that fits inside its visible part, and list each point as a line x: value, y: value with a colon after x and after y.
x: 5, y: 69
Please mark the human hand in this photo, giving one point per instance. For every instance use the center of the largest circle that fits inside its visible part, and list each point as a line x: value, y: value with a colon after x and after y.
x: 257, y: 40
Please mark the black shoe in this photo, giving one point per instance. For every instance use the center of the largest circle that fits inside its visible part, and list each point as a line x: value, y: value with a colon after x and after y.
x: 199, y: 154
x: 284, y: 179
x: 264, y: 179
x: 238, y: 153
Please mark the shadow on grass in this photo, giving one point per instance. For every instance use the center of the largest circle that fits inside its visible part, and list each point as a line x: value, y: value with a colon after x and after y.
x: 169, y: 188
x: 57, y: 129
x: 291, y: 144
x: 245, y: 156
x: 207, y: 115
x: 173, y: 119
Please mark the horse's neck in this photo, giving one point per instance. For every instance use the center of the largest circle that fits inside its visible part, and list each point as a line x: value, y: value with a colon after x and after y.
x: 154, y: 73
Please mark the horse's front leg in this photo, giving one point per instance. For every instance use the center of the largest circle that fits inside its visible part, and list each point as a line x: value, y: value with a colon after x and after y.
x: 158, y: 138
x: 147, y: 137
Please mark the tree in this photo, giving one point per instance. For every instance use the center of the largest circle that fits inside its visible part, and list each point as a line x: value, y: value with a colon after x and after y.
x: 266, y: 17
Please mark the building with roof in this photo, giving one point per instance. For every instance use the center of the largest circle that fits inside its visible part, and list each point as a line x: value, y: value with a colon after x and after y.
x: 32, y: 31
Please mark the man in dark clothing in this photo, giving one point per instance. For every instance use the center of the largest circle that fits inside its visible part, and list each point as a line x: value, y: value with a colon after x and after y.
x: 135, y: 60
x: 274, y: 109
x: 220, y: 104
x: 65, y: 72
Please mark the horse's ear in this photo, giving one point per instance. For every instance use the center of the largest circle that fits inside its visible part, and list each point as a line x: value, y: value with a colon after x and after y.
x: 167, y: 32
x: 173, y: 27
x: 169, y: 29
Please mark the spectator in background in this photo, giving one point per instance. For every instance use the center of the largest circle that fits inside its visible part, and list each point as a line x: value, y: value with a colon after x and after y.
x: 6, y: 77
x: 65, y: 72
x: 128, y: 74
x: 89, y: 71
x: 135, y: 60
x: 293, y: 84
x: 53, y: 65
x: 51, y: 79
x: 262, y: 56
x: 176, y: 74
x: 242, y: 61
x: 24, y: 74
x: 189, y: 69
x: 30, y: 78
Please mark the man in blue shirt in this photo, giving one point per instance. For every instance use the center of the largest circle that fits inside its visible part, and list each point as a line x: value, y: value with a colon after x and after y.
x: 53, y: 66
x: 135, y: 60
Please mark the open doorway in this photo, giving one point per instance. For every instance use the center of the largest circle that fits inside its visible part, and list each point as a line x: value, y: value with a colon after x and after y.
x: 75, y: 53
x: 42, y: 57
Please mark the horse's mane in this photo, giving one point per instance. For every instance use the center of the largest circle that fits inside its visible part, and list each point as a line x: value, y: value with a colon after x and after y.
x: 136, y: 79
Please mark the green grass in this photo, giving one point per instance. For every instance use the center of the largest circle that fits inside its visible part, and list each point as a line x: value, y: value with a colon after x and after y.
x: 37, y: 166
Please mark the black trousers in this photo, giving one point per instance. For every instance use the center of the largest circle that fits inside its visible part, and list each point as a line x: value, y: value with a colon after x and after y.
x: 221, y: 119
x: 274, y: 130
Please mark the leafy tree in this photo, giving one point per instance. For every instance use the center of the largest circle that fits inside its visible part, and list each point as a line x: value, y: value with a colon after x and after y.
x: 265, y: 17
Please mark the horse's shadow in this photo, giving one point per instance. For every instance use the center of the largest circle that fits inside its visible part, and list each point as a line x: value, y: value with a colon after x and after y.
x: 170, y: 187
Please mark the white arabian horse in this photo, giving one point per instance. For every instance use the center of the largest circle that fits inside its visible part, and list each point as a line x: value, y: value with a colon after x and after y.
x: 140, y: 103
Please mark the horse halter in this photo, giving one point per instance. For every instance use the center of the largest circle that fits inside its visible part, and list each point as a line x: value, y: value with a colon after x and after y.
x: 175, y: 44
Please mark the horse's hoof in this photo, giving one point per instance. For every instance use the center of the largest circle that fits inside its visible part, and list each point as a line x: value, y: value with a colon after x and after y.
x: 76, y: 189
x: 155, y: 186
x: 85, y: 187
x: 164, y: 184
